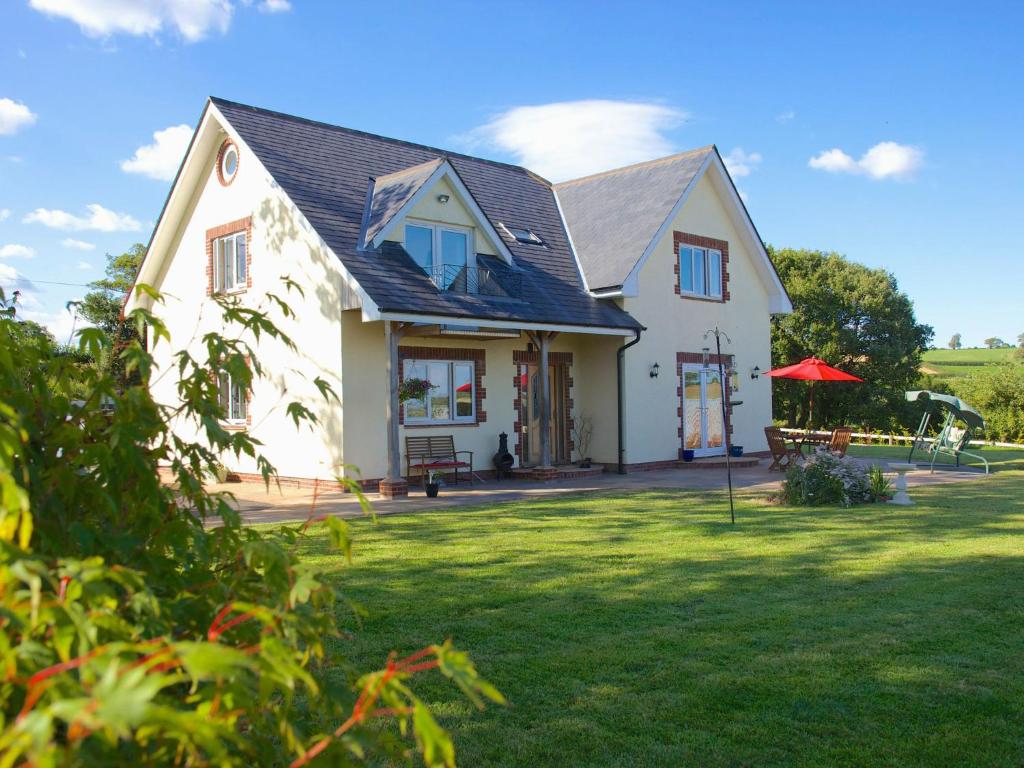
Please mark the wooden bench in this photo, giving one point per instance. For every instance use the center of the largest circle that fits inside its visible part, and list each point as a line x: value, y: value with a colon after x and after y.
x: 435, y: 454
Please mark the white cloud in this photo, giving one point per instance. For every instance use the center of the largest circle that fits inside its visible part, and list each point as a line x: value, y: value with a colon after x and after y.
x: 5, y: 213
x: 160, y: 160
x: 14, y: 250
x: 275, y: 6
x: 741, y: 163
x: 99, y: 218
x: 193, y: 19
x: 84, y: 265
x: 12, y: 280
x: 785, y: 117
x: 885, y: 160
x: 14, y: 116
x: 565, y: 140
x: 77, y: 245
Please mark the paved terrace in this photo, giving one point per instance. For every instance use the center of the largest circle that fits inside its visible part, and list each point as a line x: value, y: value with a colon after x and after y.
x: 288, y: 504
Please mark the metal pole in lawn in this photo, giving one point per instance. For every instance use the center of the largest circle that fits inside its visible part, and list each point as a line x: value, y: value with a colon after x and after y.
x: 725, y: 424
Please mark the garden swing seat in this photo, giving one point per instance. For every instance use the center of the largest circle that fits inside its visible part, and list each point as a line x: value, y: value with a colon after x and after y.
x: 952, y: 438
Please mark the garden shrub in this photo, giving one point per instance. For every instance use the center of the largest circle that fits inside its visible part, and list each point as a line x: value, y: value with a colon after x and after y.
x: 824, y: 478
x: 133, y: 634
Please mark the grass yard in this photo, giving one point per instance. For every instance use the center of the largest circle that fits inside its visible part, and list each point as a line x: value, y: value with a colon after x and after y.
x: 999, y: 459
x: 644, y: 630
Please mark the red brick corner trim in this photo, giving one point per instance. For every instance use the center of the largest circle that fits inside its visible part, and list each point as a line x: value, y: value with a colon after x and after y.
x: 521, y: 358
x: 697, y: 358
x: 223, y: 230
x: 448, y: 354
x: 700, y: 241
x: 224, y: 147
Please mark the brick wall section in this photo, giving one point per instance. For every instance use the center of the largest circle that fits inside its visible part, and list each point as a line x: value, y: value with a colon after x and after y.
x: 699, y: 241
x: 521, y: 358
x: 448, y: 354
x: 239, y: 225
x: 697, y: 358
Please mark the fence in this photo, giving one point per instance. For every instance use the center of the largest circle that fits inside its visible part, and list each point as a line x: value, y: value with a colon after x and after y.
x: 893, y: 439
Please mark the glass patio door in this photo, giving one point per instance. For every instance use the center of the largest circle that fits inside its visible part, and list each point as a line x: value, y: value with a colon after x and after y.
x: 703, y: 428
x: 556, y: 425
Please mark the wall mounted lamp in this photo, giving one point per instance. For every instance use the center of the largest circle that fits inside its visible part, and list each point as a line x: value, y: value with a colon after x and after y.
x: 655, y: 370
x: 755, y: 372
x: 442, y: 199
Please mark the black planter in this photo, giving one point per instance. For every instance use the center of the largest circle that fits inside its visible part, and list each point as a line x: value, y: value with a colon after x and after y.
x: 585, y: 464
x: 432, y: 489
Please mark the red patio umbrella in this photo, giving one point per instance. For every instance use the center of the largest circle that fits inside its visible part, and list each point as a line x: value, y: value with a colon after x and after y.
x: 812, y: 369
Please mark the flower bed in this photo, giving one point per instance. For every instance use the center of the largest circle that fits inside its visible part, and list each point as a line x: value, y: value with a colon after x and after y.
x: 824, y: 478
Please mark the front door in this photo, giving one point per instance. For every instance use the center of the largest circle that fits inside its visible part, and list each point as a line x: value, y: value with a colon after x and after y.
x: 703, y: 431
x: 556, y: 425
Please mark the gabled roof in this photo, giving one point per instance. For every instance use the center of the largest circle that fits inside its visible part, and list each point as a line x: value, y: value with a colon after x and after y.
x: 326, y: 170
x: 614, y: 216
x: 390, y: 193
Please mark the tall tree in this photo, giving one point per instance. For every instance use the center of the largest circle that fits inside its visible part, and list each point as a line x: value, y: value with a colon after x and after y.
x: 994, y: 342
x: 857, y: 319
x: 103, y: 304
x: 954, y: 343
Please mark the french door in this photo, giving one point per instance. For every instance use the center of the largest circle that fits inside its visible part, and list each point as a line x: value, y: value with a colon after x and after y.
x: 556, y: 425
x: 703, y: 428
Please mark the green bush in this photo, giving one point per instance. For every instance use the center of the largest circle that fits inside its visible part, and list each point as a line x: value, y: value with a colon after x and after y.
x: 823, y: 479
x: 133, y: 634
x: 997, y: 392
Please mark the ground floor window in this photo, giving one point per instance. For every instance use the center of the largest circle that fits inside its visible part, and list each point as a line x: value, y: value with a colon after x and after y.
x: 233, y: 398
x: 452, y: 396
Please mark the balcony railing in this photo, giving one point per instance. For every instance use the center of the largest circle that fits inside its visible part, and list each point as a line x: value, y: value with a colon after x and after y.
x: 481, y: 281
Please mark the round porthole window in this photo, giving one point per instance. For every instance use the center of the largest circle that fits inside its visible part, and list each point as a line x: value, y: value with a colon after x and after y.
x: 227, y: 163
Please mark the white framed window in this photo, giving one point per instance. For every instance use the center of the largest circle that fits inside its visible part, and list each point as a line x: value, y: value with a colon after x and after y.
x: 232, y: 397
x: 229, y: 263
x: 451, y: 400
x: 443, y: 251
x: 700, y: 271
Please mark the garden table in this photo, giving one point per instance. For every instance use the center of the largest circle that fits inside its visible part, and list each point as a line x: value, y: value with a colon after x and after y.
x: 813, y: 439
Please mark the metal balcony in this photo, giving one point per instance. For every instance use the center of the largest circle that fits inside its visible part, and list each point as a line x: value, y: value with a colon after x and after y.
x: 453, y: 278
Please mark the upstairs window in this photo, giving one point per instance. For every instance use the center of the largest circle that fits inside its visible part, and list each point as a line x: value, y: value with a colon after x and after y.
x: 452, y: 398
x: 443, y: 251
x: 232, y: 397
x: 700, y: 271
x: 229, y: 263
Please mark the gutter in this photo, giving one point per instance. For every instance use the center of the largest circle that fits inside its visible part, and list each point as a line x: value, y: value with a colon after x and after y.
x: 620, y: 357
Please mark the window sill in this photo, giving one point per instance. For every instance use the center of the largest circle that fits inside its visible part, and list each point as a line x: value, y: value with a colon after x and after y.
x: 234, y: 426
x: 442, y: 424
x: 701, y: 297
x: 232, y: 292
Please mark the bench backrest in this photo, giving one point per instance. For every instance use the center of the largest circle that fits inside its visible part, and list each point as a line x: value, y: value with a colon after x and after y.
x: 434, y: 447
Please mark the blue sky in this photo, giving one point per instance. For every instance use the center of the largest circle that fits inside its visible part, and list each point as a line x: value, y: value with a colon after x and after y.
x: 888, y: 132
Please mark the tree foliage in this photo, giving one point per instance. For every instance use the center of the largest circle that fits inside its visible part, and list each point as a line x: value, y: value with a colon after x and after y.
x: 134, y: 633
x: 857, y: 319
x: 997, y: 392
x: 994, y: 342
x: 954, y: 342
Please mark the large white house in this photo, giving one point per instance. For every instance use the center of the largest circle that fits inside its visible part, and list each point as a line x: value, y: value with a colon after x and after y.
x: 525, y: 303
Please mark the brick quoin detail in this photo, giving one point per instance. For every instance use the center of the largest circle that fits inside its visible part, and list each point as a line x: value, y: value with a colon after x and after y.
x: 699, y: 241
x: 228, y: 144
x: 697, y: 358
x: 448, y: 355
x: 231, y: 228
x: 521, y: 358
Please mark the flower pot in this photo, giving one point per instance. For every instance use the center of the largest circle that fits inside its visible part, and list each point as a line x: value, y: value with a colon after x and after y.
x: 687, y: 454
x: 736, y: 451
x: 432, y: 489
x: 585, y: 464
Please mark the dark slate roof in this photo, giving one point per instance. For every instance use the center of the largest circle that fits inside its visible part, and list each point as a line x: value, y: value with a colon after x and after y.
x: 613, y: 216
x: 391, y: 192
x: 326, y: 171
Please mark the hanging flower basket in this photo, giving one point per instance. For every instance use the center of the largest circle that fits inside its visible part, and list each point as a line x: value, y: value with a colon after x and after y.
x: 414, y: 389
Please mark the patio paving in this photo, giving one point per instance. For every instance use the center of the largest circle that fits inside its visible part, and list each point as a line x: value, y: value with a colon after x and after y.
x: 277, y: 505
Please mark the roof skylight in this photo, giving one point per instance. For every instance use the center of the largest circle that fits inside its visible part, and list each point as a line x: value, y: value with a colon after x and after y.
x: 526, y: 236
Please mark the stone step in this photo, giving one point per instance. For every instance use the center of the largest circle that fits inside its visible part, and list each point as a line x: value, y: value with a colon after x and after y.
x: 718, y: 462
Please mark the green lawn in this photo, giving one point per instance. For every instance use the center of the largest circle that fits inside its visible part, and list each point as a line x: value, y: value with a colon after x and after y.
x: 645, y: 630
x: 999, y: 459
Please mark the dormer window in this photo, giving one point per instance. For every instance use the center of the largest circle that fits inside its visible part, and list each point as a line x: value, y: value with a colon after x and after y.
x: 443, y: 251
x: 525, y: 236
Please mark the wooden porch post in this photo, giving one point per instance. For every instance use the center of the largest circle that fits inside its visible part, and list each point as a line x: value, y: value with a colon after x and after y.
x: 543, y: 340
x: 394, y: 484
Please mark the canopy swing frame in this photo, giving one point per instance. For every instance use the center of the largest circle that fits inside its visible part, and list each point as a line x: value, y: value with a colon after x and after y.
x: 951, y: 439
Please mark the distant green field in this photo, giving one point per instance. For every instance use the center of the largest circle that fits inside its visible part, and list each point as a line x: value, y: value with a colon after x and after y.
x: 954, y: 363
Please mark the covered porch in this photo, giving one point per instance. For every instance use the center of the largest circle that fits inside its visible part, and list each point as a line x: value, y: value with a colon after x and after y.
x: 551, y: 391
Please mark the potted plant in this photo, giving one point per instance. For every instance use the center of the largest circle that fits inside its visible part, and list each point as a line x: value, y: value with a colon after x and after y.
x: 433, y: 484
x: 413, y: 389
x: 582, y: 434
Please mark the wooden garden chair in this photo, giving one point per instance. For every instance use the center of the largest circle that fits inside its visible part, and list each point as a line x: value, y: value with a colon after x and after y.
x: 783, y: 454
x: 840, y: 440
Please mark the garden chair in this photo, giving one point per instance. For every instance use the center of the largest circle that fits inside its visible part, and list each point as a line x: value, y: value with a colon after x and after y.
x: 840, y: 441
x: 783, y: 454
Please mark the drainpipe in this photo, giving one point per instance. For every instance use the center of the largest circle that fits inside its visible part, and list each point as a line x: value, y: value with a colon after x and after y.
x: 620, y: 358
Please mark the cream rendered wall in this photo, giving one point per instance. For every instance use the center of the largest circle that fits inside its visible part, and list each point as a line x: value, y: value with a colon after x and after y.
x: 452, y: 212
x: 364, y: 386
x: 677, y: 325
x: 596, y: 395
x: 281, y: 245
